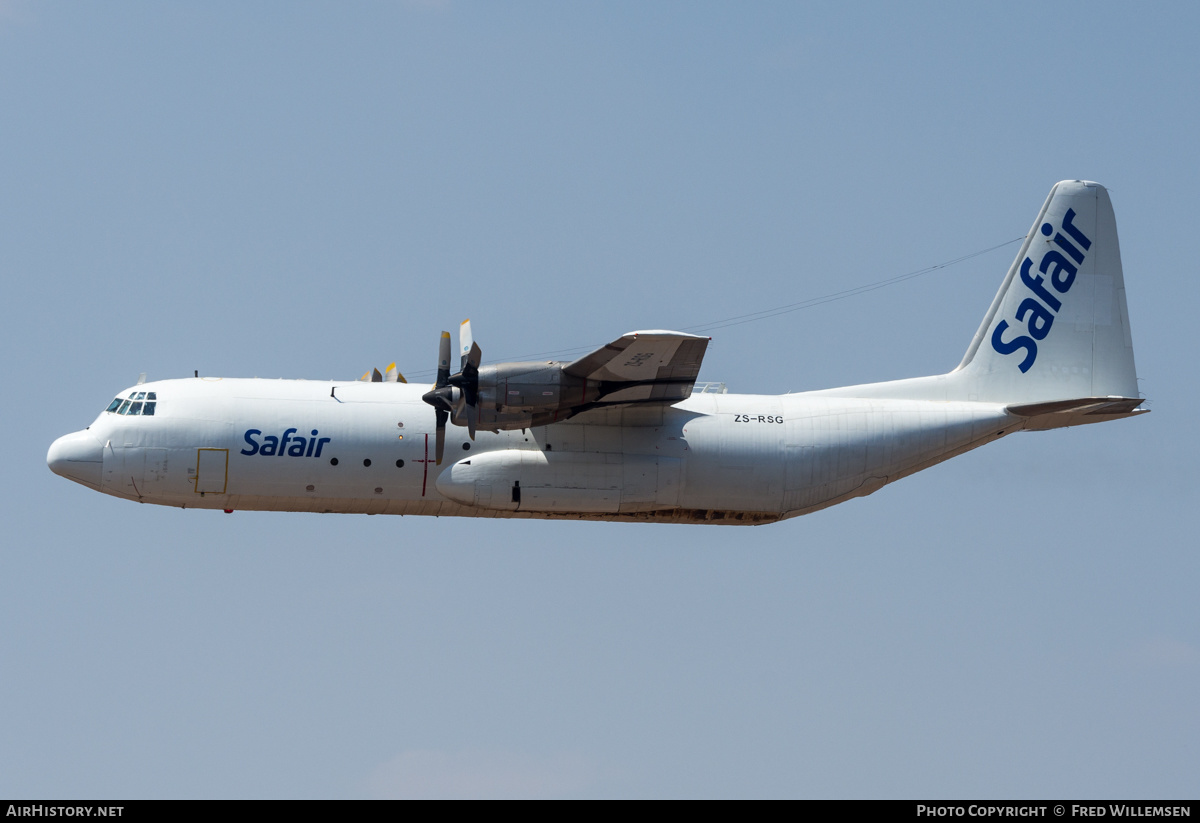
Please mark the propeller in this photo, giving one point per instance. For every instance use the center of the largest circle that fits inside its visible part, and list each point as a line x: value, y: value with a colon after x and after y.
x: 392, y: 375
x: 441, y: 396
x: 456, y: 394
x: 467, y: 378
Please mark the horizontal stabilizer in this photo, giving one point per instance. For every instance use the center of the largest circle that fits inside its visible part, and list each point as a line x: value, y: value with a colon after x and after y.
x: 1058, y: 414
x: 1084, y: 405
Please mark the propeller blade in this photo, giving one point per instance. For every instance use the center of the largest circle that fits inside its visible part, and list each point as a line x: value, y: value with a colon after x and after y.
x: 391, y: 374
x: 467, y: 347
x: 442, y: 396
x: 468, y: 376
x: 443, y: 372
x: 366, y: 377
x: 472, y: 413
x: 465, y: 342
x: 441, y: 415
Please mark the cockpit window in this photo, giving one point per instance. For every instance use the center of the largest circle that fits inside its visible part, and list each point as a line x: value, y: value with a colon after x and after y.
x: 140, y: 403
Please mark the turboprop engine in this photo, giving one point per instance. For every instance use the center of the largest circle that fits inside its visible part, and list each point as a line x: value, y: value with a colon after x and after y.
x: 504, y: 396
x: 638, y: 367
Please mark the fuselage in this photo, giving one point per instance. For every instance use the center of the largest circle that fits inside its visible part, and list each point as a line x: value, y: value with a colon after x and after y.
x: 352, y: 447
x: 624, y: 432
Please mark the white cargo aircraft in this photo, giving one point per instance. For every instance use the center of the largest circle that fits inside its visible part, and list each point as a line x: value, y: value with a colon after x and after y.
x: 624, y: 433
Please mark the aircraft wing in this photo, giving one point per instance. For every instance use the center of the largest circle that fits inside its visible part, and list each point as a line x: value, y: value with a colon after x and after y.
x: 644, y: 366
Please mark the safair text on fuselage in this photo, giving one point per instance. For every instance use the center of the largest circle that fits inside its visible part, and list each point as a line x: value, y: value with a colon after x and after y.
x: 284, y: 444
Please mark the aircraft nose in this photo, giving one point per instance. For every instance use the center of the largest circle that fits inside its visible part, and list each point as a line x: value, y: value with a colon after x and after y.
x: 77, y: 456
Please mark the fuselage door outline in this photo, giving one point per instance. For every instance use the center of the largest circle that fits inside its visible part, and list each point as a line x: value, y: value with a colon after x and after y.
x: 212, y: 471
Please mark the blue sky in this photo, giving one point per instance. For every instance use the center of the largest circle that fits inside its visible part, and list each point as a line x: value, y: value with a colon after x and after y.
x: 310, y: 190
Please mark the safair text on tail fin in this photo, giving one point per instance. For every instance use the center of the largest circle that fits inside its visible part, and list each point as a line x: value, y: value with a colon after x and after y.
x: 1058, y: 330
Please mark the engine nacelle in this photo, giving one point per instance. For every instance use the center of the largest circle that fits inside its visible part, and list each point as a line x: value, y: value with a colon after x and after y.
x: 521, y: 395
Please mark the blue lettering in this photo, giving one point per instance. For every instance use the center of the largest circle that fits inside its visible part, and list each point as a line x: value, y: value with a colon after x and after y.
x: 1037, y: 312
x: 283, y: 440
x: 1062, y: 276
x: 1021, y: 342
x: 1076, y: 235
x: 1036, y: 286
x: 1064, y: 273
x: 250, y: 440
x: 1065, y: 244
x: 286, y: 444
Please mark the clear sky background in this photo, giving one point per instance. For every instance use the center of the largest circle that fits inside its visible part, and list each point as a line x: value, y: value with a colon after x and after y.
x: 312, y: 189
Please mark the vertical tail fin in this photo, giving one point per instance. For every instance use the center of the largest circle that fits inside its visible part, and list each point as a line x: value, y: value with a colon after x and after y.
x: 1059, y: 327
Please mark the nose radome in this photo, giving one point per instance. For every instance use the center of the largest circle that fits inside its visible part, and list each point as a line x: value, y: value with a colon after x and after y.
x: 78, y: 456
